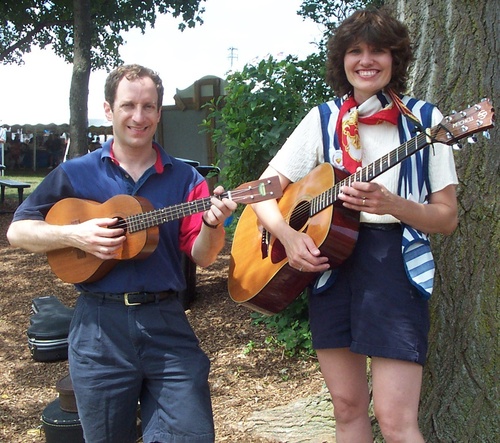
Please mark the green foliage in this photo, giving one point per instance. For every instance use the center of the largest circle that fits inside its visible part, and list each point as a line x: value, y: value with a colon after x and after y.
x: 264, y: 103
x: 290, y: 328
x: 331, y: 12
x: 249, y: 347
x: 48, y: 23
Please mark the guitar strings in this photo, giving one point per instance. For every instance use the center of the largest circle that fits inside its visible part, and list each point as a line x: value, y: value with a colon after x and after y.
x: 328, y: 197
x: 152, y: 218
x: 394, y: 157
x: 143, y: 220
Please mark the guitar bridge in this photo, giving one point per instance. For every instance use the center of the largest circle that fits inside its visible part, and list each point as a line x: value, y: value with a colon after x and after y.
x: 264, y: 245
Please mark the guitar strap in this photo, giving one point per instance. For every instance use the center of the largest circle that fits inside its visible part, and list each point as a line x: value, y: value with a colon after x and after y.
x: 414, y: 185
x: 405, y: 112
x: 327, y: 278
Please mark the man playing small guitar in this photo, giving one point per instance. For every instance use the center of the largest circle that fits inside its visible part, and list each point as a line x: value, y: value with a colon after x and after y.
x: 130, y: 339
x: 375, y: 303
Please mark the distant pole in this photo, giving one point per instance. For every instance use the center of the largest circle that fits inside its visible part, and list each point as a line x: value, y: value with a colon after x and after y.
x: 233, y: 55
x: 3, y: 140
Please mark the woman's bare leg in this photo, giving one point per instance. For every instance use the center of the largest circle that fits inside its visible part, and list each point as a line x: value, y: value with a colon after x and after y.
x: 345, y: 376
x: 396, y: 396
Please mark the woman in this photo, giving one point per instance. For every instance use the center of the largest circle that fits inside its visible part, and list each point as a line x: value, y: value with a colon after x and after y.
x: 376, y: 303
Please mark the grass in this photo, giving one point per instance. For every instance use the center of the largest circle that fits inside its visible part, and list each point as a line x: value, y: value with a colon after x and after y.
x: 23, y: 175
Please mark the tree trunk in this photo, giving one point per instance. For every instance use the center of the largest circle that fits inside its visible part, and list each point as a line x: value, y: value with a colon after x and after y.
x: 79, y: 91
x: 457, y: 64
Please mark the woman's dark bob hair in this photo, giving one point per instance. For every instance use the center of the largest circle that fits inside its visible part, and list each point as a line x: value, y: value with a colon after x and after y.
x: 377, y: 28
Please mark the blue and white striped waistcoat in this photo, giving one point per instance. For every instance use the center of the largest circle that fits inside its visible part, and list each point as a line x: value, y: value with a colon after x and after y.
x: 413, y: 184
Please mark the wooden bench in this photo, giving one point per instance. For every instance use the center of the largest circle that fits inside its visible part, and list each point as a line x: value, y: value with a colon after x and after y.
x: 20, y: 186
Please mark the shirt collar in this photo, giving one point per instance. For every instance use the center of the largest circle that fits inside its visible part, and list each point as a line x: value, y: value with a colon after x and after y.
x: 162, y: 159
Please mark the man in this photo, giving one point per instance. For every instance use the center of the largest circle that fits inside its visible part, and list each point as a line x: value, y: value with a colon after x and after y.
x: 119, y: 354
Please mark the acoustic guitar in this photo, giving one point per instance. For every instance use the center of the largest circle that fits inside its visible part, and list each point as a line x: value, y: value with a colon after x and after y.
x: 140, y: 221
x: 259, y: 274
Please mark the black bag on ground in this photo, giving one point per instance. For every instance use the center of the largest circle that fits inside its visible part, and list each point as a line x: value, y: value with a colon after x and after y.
x: 49, y: 328
x: 61, y: 426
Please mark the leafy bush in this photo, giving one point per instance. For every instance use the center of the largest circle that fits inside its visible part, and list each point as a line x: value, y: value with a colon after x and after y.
x: 290, y: 328
x: 262, y: 106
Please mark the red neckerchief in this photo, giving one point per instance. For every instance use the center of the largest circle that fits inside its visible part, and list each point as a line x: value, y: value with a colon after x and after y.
x: 347, y: 129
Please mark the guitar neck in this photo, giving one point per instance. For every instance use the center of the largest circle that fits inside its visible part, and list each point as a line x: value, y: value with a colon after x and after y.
x: 145, y: 220
x: 247, y: 193
x: 368, y: 173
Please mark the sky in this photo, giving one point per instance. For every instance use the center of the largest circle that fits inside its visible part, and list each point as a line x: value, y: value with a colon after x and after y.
x: 38, y: 91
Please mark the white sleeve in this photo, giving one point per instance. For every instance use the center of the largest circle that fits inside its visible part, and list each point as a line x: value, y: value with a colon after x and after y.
x: 303, y: 150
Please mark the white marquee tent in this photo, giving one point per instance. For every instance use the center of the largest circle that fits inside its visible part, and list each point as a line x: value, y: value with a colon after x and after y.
x: 34, y: 131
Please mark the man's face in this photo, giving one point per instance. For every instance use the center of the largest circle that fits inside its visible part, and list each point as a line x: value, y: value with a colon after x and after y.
x: 135, y: 114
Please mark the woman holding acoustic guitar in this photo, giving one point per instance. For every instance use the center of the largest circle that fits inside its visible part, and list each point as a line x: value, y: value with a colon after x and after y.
x: 375, y: 304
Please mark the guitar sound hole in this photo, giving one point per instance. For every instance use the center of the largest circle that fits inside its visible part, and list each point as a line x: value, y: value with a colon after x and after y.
x: 120, y: 224
x: 300, y: 215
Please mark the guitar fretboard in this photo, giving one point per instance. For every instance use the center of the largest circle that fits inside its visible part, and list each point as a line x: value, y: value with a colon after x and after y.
x: 369, y: 172
x: 145, y: 220
x: 251, y: 192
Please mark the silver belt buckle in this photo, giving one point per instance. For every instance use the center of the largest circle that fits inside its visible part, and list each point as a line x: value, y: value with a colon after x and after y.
x: 125, y: 299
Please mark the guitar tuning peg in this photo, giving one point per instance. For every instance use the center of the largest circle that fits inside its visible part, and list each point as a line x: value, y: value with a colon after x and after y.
x: 457, y: 147
x: 472, y: 139
x: 487, y: 135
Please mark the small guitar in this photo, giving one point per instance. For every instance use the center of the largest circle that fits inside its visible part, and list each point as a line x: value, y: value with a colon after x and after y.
x: 259, y: 274
x: 140, y: 220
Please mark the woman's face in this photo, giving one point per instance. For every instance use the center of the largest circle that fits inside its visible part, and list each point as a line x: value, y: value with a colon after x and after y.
x: 368, y: 69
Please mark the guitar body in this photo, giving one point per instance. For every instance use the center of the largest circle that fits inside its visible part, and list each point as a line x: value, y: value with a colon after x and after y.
x: 266, y: 282
x: 73, y: 265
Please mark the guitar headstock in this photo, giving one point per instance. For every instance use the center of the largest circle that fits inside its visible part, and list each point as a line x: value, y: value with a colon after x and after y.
x: 454, y: 127
x: 257, y: 191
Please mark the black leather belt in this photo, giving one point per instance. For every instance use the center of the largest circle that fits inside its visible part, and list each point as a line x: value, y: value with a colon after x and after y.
x: 381, y: 226
x: 132, y: 298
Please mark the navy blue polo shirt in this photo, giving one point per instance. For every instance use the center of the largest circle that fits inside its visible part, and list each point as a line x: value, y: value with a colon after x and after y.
x: 97, y: 176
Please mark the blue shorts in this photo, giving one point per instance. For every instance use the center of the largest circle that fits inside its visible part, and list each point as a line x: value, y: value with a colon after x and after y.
x: 121, y: 355
x: 372, y: 308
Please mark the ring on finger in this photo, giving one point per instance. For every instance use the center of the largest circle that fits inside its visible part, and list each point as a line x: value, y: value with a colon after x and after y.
x: 364, y: 200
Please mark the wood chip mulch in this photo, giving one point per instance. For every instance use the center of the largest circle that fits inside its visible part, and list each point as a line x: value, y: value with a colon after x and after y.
x: 246, y: 374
